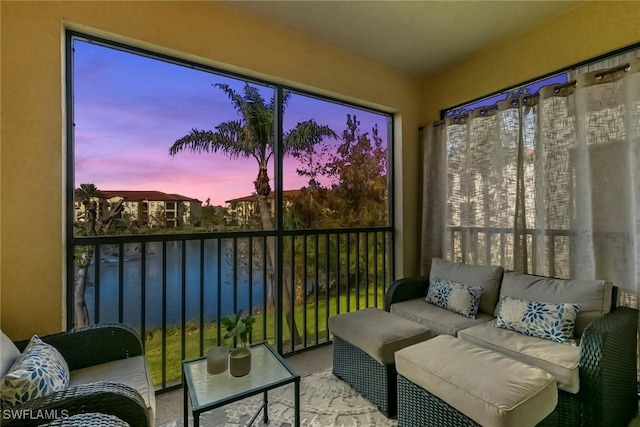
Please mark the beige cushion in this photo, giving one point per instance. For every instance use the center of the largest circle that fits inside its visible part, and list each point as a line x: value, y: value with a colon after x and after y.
x: 594, y: 296
x: 487, y: 276
x: 484, y: 385
x: 378, y: 333
x: 8, y: 354
x: 439, y: 320
x: 131, y: 371
x: 560, y: 360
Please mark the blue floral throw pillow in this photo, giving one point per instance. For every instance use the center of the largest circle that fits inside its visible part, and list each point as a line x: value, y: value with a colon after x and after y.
x: 550, y: 321
x: 38, y: 371
x: 453, y: 296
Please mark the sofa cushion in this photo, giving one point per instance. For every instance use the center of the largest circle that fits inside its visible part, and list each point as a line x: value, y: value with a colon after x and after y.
x: 560, y: 360
x: 438, y: 320
x: 8, y: 354
x: 452, y: 296
x: 378, y: 333
x: 486, y: 276
x: 552, y: 321
x: 37, y: 372
x: 484, y: 385
x: 594, y: 296
x: 131, y: 371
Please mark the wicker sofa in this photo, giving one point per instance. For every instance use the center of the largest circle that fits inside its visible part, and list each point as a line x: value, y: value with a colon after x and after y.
x: 108, y: 375
x: 597, y: 382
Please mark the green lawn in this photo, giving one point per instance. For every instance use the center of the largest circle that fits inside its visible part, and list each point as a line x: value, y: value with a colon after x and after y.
x: 153, y: 343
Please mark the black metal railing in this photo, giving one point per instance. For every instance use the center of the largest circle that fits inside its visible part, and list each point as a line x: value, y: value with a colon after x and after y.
x: 174, y: 288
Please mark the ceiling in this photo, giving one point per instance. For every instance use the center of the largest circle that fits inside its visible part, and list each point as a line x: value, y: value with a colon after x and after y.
x: 417, y: 37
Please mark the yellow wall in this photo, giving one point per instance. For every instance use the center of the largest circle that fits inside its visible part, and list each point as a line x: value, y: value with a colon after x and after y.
x: 589, y: 30
x: 32, y: 133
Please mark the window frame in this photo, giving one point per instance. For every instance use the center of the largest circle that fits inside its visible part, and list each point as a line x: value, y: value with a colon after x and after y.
x: 279, y: 89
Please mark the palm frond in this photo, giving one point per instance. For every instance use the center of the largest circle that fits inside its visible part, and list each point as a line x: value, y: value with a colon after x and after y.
x: 87, y: 192
x: 305, y: 136
x: 286, y: 95
x: 258, y: 115
x: 234, y: 96
x: 235, y: 140
x: 196, y: 141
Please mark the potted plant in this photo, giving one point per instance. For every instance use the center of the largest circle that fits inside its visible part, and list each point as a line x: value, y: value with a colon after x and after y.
x: 239, y: 327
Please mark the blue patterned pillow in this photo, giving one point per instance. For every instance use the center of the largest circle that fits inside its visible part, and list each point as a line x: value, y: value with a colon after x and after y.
x: 38, y: 371
x: 453, y: 296
x: 552, y: 321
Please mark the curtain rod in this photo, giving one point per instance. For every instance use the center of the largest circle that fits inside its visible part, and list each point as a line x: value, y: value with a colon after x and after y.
x: 607, y: 55
x: 625, y: 67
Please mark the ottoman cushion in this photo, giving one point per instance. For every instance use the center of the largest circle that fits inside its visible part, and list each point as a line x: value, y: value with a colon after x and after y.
x: 486, y: 386
x: 378, y: 333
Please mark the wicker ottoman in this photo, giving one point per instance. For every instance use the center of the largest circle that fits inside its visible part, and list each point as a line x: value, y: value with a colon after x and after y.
x: 364, y: 343
x: 449, y: 382
x: 88, y: 420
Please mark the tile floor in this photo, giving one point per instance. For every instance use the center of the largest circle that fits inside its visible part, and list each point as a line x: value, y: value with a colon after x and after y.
x: 170, y: 407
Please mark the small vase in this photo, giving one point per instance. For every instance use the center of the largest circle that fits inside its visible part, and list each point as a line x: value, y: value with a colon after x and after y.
x: 240, y: 362
x: 217, y: 360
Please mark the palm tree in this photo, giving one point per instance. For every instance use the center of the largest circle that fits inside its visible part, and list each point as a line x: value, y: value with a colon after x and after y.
x: 89, y: 224
x: 253, y: 135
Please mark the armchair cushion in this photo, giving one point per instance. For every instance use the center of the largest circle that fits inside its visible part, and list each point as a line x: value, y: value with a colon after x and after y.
x: 38, y: 371
x: 488, y: 277
x: 131, y: 372
x: 560, y: 360
x: 439, y: 320
x: 8, y: 354
x: 594, y: 296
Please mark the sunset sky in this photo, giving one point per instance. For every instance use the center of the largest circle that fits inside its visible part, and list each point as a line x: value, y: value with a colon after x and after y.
x: 128, y: 111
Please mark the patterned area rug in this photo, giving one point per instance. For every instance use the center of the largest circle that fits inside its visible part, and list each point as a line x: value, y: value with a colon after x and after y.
x: 325, y: 401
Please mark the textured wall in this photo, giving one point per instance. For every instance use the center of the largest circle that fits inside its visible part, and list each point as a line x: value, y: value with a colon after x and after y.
x: 32, y: 133
x: 589, y: 30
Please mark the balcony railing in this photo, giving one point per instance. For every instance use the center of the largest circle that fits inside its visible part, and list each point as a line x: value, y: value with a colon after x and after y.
x: 174, y: 288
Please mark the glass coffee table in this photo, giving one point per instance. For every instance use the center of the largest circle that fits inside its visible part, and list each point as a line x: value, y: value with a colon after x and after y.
x: 207, y: 391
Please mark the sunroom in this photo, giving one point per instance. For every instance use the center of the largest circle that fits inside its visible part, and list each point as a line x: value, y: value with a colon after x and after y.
x: 334, y: 267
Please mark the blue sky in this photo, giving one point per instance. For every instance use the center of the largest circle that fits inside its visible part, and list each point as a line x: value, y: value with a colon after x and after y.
x: 129, y: 109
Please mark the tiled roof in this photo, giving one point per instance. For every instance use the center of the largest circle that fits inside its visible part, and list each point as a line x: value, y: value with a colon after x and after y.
x: 159, y: 196
x: 286, y: 194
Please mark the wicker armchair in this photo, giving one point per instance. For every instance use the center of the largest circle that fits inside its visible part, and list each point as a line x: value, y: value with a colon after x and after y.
x: 85, y: 348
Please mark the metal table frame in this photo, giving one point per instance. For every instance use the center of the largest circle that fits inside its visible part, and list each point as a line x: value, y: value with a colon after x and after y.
x: 199, y: 408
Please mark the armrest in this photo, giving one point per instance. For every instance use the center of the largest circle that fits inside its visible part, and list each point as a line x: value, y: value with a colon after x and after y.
x: 608, y: 369
x: 104, y: 397
x: 406, y: 289
x: 93, y: 345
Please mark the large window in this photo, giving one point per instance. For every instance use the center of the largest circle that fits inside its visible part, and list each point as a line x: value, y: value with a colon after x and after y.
x: 194, y: 193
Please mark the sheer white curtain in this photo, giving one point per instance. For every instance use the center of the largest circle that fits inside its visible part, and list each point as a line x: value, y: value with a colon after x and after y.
x: 546, y: 184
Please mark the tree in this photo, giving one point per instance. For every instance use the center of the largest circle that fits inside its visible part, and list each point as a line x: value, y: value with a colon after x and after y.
x: 212, y: 217
x: 358, y: 193
x: 253, y: 135
x: 357, y: 196
x: 91, y: 222
x: 359, y: 174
